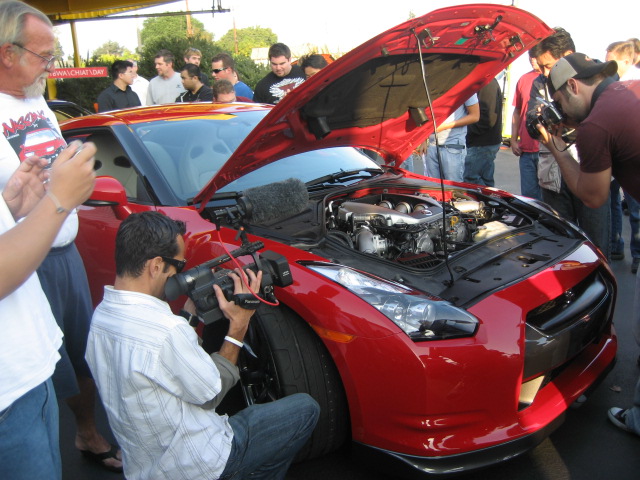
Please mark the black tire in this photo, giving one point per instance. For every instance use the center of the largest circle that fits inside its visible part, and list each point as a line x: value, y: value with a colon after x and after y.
x: 290, y: 358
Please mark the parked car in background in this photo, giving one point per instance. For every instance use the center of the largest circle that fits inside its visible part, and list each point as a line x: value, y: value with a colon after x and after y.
x: 65, y: 110
x: 441, y: 326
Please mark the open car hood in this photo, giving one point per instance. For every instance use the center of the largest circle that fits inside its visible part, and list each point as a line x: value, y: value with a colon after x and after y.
x: 374, y: 97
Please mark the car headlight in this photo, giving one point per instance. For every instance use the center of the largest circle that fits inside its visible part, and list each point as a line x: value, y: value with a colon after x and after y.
x: 420, y: 316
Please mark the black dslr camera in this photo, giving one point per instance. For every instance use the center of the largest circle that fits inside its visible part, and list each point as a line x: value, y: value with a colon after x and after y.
x: 197, y: 283
x: 550, y: 114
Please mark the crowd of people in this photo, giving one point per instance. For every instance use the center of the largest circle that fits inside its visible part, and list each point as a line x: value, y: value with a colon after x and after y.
x: 191, y: 84
x: 161, y: 389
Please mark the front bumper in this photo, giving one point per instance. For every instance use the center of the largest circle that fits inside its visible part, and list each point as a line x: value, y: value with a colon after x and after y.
x: 414, y: 467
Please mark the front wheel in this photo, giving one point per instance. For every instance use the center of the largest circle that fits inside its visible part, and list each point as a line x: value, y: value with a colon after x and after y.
x: 287, y: 357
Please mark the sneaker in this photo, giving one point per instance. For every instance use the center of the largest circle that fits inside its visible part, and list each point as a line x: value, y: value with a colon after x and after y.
x: 617, y: 256
x: 617, y: 415
x: 634, y: 265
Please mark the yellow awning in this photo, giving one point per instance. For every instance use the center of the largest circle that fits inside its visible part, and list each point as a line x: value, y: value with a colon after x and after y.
x: 66, y: 10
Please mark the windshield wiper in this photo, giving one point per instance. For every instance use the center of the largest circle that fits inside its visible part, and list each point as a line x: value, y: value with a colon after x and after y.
x: 344, y: 175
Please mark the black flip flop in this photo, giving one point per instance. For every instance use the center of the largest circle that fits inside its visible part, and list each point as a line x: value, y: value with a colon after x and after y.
x: 99, y: 458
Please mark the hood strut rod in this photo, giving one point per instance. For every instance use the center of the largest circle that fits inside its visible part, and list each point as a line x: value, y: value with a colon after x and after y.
x: 450, y: 282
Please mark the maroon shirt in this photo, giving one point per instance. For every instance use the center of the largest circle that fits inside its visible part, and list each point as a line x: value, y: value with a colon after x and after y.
x: 610, y: 135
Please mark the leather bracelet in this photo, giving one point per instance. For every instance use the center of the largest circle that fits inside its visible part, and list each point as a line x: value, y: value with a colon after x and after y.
x: 56, y: 202
x: 237, y: 343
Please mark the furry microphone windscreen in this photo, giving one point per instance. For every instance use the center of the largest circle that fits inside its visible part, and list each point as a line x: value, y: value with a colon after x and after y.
x: 275, y: 201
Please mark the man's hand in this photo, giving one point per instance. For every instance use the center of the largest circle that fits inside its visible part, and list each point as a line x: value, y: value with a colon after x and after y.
x: 25, y: 187
x: 72, y: 176
x: 515, y: 147
x: 238, y: 317
x: 422, y: 148
x: 552, y: 140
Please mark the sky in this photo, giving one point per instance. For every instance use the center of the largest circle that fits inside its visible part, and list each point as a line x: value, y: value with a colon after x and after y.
x: 340, y: 25
x: 343, y: 24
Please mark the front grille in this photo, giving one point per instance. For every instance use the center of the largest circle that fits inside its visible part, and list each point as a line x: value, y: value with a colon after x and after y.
x: 589, y: 297
x: 561, y: 328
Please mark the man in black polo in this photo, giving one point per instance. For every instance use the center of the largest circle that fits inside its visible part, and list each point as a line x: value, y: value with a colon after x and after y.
x: 119, y: 94
x: 196, y: 91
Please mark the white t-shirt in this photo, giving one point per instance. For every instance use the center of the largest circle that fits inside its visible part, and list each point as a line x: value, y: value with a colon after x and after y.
x: 29, y: 338
x: 164, y: 90
x: 29, y: 127
x: 154, y: 378
x: 140, y: 85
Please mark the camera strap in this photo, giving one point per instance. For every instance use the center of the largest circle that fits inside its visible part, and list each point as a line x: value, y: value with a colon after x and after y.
x: 601, y: 88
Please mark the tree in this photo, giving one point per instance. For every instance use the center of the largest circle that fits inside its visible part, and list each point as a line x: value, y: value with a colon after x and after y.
x: 172, y: 28
x: 248, y: 39
x: 111, y: 48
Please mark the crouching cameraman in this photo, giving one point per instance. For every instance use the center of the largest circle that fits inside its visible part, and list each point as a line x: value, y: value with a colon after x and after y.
x: 606, y: 114
x: 160, y: 387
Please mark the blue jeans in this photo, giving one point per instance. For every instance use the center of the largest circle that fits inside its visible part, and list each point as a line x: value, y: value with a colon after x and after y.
x: 452, y: 162
x: 479, y: 164
x: 29, y: 443
x: 617, y: 242
x: 595, y: 222
x: 266, y: 437
x: 415, y: 164
x: 529, y: 186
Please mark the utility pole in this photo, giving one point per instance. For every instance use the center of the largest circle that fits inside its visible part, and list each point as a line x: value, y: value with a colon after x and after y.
x: 188, y: 17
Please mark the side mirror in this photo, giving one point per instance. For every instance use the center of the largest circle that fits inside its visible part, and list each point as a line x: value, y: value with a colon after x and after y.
x: 108, y: 192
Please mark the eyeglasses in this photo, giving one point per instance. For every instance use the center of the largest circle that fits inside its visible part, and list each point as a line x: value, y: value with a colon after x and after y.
x: 179, y: 264
x: 218, y: 70
x: 51, y: 61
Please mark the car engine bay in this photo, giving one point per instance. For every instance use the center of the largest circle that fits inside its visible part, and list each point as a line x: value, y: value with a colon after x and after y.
x: 417, y: 229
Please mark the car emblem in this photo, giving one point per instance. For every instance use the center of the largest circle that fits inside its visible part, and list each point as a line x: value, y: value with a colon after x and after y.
x: 569, y: 296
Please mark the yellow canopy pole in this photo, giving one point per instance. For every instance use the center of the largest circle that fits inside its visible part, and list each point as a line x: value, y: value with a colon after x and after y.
x: 74, y: 39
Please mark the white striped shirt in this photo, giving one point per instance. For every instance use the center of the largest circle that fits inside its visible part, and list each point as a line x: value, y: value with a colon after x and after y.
x: 153, y: 379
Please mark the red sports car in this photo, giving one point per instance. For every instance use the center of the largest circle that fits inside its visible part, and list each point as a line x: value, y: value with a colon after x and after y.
x: 441, y: 326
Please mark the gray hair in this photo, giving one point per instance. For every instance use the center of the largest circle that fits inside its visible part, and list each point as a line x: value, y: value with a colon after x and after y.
x: 13, y: 16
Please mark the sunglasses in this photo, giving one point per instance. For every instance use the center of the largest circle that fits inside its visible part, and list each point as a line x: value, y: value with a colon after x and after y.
x: 218, y: 70
x: 179, y: 264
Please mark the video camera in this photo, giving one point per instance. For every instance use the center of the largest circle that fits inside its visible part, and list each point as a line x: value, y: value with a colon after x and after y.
x: 197, y: 283
x: 550, y: 115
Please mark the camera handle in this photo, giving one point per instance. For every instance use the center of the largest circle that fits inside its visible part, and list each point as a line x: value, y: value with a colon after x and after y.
x: 247, y: 248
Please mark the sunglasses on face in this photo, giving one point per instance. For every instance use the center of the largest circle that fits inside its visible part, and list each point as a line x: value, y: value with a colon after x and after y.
x: 218, y: 70
x: 178, y: 264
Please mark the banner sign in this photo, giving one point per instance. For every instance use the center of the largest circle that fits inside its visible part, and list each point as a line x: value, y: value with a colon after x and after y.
x: 85, y: 72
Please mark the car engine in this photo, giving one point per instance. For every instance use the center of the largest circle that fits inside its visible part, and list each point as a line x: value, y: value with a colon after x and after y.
x: 413, y: 229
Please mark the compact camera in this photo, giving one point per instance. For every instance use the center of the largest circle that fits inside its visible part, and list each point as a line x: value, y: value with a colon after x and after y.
x: 549, y: 115
x: 197, y: 283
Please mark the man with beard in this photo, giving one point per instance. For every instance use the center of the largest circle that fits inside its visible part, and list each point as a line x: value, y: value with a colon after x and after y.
x: 30, y: 129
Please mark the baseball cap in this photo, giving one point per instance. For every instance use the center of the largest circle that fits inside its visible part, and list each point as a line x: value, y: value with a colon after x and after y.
x: 577, y: 65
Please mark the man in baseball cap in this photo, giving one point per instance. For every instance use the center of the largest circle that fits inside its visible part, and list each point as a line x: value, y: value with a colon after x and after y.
x: 578, y: 66
x: 606, y: 114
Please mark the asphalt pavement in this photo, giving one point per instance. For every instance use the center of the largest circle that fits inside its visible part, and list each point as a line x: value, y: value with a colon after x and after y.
x: 586, y: 446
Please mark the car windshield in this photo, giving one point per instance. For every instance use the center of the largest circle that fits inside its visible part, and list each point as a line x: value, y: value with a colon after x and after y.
x: 201, y: 145
x: 40, y: 136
